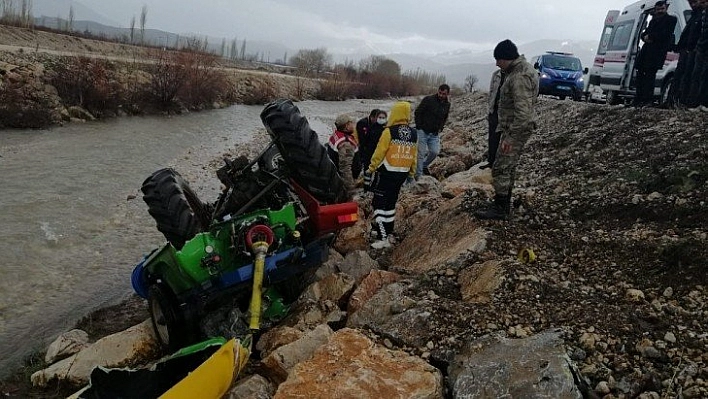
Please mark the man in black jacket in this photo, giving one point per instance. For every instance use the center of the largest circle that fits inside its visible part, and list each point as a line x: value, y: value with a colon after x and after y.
x: 698, y: 96
x: 658, y: 39
x: 430, y: 117
x: 686, y: 48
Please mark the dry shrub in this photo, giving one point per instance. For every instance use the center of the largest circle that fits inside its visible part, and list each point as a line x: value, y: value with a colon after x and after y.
x: 261, y: 91
x: 336, y: 89
x: 190, y: 79
x: 87, y: 82
x: 23, y: 107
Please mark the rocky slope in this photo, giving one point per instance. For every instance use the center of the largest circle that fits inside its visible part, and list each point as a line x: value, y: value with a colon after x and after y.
x: 612, y: 201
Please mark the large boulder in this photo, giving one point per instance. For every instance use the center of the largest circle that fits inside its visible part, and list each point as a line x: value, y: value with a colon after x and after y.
x: 277, y: 364
x: 131, y: 347
x: 392, y: 314
x: 443, y: 236
x: 66, y: 344
x: 358, y: 264
x: 252, y: 387
x: 472, y: 178
x: 369, y: 286
x: 351, y: 366
x: 497, y: 367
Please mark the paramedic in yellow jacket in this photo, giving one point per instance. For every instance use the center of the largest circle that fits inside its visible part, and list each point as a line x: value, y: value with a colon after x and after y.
x: 393, y: 162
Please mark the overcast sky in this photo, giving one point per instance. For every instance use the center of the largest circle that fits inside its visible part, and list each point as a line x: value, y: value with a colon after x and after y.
x: 382, y: 26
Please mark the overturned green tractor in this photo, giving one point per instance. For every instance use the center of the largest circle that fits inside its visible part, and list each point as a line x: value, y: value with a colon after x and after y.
x: 273, y: 222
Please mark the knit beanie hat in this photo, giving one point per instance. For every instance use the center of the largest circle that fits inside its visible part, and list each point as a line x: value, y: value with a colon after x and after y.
x: 342, y: 120
x: 506, y: 50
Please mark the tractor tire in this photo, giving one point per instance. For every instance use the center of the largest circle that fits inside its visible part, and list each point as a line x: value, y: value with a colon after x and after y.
x: 272, y: 161
x: 179, y: 213
x: 306, y: 158
x: 171, y: 329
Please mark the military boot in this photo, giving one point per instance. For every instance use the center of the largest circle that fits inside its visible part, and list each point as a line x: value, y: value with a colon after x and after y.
x: 497, y: 210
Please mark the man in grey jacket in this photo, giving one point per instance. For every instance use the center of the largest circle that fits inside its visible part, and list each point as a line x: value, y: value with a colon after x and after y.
x: 517, y: 121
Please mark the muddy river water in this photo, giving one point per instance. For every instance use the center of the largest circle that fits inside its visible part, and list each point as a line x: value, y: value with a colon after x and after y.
x: 72, y: 221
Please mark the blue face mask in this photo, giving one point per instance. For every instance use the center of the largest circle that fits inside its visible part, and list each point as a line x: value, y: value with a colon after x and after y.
x: 381, y: 121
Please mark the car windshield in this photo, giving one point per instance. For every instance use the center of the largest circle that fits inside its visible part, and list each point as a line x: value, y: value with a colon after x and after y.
x: 562, y: 63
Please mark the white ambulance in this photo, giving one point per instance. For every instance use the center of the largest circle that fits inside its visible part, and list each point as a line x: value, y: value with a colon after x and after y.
x: 617, y: 76
x: 593, y: 91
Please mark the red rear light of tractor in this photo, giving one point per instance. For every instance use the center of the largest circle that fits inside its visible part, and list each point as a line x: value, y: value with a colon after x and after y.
x: 327, y: 218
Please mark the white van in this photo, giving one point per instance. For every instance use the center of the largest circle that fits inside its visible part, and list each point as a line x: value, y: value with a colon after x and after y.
x: 593, y: 91
x: 618, y: 74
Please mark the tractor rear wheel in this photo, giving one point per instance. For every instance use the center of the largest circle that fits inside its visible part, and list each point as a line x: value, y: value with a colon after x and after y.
x: 306, y: 158
x: 179, y: 213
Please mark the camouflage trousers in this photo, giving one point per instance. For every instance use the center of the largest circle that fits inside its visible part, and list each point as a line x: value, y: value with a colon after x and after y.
x: 504, y: 169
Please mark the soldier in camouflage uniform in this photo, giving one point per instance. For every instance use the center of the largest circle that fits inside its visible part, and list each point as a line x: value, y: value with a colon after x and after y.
x: 343, y: 150
x: 517, y: 122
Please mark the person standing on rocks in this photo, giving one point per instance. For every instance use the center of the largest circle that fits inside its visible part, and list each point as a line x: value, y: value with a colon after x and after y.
x: 686, y: 48
x: 657, y: 38
x: 517, y: 99
x: 430, y: 117
x: 369, y: 132
x: 493, y: 117
x: 342, y: 148
x: 394, y: 161
x: 698, y: 94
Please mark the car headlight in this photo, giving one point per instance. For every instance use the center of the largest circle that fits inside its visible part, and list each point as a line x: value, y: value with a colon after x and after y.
x: 581, y: 80
x: 544, y: 76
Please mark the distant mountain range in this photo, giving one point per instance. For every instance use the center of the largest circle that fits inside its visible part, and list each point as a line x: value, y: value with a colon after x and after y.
x: 455, y: 66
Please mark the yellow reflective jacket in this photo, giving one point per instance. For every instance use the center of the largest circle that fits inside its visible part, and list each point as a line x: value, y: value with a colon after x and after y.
x: 397, y: 150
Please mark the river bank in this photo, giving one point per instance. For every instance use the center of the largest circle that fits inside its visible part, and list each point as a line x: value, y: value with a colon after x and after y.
x: 49, y: 79
x: 612, y: 202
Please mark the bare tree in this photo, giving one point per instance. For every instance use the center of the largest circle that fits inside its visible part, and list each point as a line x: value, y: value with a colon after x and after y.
x: 223, y: 47
x: 380, y: 65
x: 143, y: 19
x: 243, y: 49
x: 470, y: 82
x: 132, y: 30
x: 312, y: 62
x: 26, y: 13
x: 70, y: 21
x: 234, y: 50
